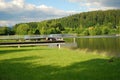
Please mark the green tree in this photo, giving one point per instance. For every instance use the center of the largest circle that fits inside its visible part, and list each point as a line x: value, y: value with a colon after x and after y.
x: 37, y: 32
x: 97, y: 31
x: 86, y: 32
x: 71, y: 24
x: 23, y: 29
x: 4, y: 30
x: 92, y: 31
x: 105, y: 30
x: 118, y: 29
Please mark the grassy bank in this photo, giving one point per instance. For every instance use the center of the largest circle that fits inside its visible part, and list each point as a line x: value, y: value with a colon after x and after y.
x: 43, y: 63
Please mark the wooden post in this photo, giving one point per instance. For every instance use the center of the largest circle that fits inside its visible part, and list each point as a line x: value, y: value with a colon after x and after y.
x: 74, y: 40
x: 62, y: 38
x: 18, y: 46
x: 59, y: 46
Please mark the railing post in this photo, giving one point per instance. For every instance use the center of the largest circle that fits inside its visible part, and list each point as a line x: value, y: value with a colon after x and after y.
x: 18, y: 46
x: 58, y: 46
x: 74, y: 41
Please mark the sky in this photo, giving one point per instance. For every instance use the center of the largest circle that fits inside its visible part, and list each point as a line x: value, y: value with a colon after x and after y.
x: 22, y: 11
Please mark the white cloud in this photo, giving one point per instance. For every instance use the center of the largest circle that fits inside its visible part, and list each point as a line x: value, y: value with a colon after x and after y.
x: 15, y: 11
x: 43, y: 6
x: 17, y: 3
x: 6, y: 23
x: 30, y: 7
x: 98, y: 4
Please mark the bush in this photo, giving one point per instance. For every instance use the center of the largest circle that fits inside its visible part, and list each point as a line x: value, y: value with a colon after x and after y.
x: 105, y: 30
x: 97, y: 31
x: 86, y: 32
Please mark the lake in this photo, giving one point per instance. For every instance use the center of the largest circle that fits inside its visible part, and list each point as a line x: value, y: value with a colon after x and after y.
x: 108, y: 44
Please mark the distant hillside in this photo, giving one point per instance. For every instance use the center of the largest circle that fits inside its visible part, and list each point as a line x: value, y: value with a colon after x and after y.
x: 88, y: 19
x: 86, y: 23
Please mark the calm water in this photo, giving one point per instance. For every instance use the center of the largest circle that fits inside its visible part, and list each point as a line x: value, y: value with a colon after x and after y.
x: 111, y: 45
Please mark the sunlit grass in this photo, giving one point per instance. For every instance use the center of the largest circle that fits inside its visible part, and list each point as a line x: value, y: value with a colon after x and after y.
x: 44, y: 63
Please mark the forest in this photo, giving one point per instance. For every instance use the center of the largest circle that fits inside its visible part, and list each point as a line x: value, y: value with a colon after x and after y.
x: 86, y: 23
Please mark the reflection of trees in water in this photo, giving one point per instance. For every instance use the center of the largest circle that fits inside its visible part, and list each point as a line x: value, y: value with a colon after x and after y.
x: 110, y: 45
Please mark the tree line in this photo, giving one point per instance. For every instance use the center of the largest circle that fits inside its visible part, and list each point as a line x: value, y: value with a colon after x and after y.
x: 86, y: 23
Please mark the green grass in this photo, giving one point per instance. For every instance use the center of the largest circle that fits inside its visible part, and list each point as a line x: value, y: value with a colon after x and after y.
x: 43, y: 63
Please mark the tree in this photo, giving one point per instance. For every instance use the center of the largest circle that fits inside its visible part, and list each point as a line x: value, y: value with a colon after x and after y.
x: 105, y: 30
x: 23, y: 29
x: 118, y: 29
x: 98, y: 31
x: 37, y: 32
x: 4, y: 30
x: 86, y: 32
x: 104, y: 22
x: 92, y: 31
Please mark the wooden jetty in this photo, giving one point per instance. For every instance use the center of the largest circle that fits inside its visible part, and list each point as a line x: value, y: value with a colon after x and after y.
x: 32, y: 43
x: 32, y: 40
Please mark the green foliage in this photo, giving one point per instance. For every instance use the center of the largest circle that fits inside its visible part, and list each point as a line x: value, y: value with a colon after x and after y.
x: 4, y: 31
x: 95, y: 31
x: 118, y: 29
x: 86, y: 32
x: 98, y: 31
x: 79, y: 30
x: 92, y: 31
x: 105, y: 30
x: 68, y: 30
x: 37, y: 32
x: 93, y: 18
x: 103, y: 22
x: 22, y: 29
x: 56, y: 28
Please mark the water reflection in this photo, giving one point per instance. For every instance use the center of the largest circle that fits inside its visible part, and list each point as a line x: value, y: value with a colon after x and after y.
x: 111, y: 45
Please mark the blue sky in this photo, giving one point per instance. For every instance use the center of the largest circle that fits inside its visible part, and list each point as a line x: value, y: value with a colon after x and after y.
x: 59, y: 4
x: 17, y: 11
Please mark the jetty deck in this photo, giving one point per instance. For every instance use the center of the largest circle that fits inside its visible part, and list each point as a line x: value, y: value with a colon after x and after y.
x: 33, y: 40
x: 30, y: 43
